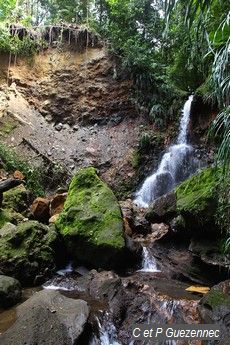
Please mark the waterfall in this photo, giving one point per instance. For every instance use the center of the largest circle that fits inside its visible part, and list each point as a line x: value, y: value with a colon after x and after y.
x: 148, y: 262
x: 176, y: 165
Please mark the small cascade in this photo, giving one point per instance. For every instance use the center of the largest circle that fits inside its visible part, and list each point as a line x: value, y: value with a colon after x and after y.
x: 176, y: 165
x: 66, y: 270
x: 107, y: 334
x: 148, y: 262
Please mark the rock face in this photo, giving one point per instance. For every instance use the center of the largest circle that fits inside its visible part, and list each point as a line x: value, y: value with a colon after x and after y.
x: 91, y: 222
x: 215, y: 308
x: 48, y: 318
x: 26, y: 250
x: 10, y: 291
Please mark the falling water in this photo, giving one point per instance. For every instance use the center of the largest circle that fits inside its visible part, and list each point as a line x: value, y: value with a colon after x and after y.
x: 67, y: 269
x: 148, y: 262
x: 176, y: 165
x: 107, y: 335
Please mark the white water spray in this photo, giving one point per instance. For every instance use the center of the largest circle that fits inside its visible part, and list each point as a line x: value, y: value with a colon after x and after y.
x: 175, y: 166
x: 67, y: 269
x: 148, y: 262
x: 107, y: 335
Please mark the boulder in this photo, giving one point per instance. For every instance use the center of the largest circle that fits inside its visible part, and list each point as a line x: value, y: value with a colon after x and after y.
x: 27, y: 250
x: 17, y: 199
x: 159, y: 231
x: 162, y: 208
x: 215, y: 308
x: 197, y: 200
x: 134, y: 218
x: 57, y: 204
x: 48, y: 318
x: 40, y: 210
x: 91, y: 222
x: 191, y: 207
x: 10, y: 291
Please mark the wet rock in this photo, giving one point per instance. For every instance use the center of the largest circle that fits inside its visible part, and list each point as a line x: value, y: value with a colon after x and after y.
x: 91, y: 222
x: 27, y: 250
x: 134, y: 218
x: 159, y: 231
x: 163, y: 208
x: 178, y: 225
x: 40, y: 209
x: 10, y: 291
x: 48, y: 318
x: 145, y: 299
x: 103, y: 284
x: 215, y: 308
x: 210, y: 252
x: 177, y: 262
x: 57, y: 203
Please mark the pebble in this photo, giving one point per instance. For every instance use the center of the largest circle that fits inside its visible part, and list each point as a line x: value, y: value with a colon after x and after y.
x: 59, y: 127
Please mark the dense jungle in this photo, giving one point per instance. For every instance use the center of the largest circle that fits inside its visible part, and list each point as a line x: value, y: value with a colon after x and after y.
x: 114, y: 170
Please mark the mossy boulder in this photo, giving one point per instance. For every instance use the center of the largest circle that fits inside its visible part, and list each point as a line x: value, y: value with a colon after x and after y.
x: 198, y: 196
x: 4, y: 218
x: 10, y: 291
x: 17, y: 199
x: 27, y: 250
x: 194, y: 201
x: 91, y: 222
x: 10, y: 216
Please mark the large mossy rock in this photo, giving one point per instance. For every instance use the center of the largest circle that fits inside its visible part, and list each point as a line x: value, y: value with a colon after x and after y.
x: 91, y: 222
x: 27, y: 250
x: 194, y: 200
x: 197, y: 197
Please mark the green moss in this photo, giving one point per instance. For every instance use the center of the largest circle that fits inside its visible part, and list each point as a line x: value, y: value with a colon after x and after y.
x: 12, y: 162
x: 26, y: 249
x: 4, y: 218
x: 6, y: 128
x: 91, y: 217
x: 197, y: 193
x: 136, y: 159
x: 16, y: 199
x: 216, y: 298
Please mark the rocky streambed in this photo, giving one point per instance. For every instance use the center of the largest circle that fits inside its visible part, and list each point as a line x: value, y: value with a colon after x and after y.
x: 158, y: 276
